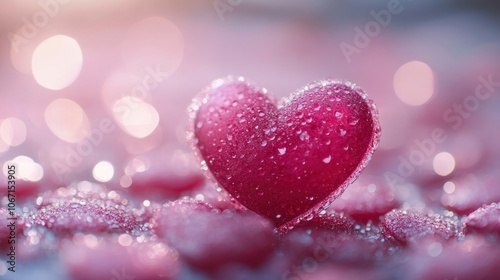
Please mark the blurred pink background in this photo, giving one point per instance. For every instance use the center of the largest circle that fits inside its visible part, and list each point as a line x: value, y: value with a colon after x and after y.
x: 98, y: 90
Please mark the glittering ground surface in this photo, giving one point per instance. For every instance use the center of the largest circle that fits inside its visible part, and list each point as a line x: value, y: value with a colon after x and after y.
x: 93, y: 102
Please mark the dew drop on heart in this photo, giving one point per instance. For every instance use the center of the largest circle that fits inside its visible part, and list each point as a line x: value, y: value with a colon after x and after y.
x: 310, y: 217
x: 304, y: 136
x: 264, y: 143
x: 342, y: 132
x: 281, y: 151
x: 327, y: 159
x: 338, y: 115
x: 316, y: 106
x: 229, y: 137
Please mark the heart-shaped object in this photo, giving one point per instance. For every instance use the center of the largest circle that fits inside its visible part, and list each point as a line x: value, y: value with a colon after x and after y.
x: 289, y: 159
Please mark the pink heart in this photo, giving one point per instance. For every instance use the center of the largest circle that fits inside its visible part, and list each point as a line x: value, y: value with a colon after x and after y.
x: 289, y: 159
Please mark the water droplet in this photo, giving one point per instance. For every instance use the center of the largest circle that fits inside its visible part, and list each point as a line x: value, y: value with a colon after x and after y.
x: 260, y: 193
x: 199, y: 124
x: 346, y: 148
x: 328, y: 108
x: 354, y: 122
x: 261, y: 114
x: 83, y: 202
x: 338, y: 115
x: 278, y: 216
x: 299, y: 115
x: 235, y: 103
x: 327, y: 159
x: 316, y: 106
x: 229, y: 137
x: 264, y: 143
x: 273, y: 129
x: 281, y: 151
x: 310, y: 217
x: 342, y: 132
x: 304, y: 136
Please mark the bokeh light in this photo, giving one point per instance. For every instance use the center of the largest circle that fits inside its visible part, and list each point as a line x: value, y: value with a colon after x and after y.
x: 153, y: 43
x: 449, y: 187
x: 3, y: 269
x: 67, y: 120
x: 414, y: 83
x: 57, y: 62
x: 26, y: 168
x: 444, y: 163
x: 136, y: 117
x: 12, y: 132
x: 103, y: 171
